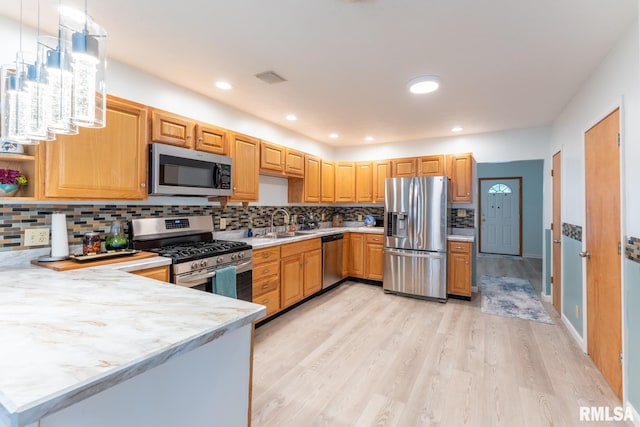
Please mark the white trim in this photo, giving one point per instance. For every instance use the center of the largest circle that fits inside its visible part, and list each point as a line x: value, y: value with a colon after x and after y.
x: 636, y: 415
x: 582, y: 343
x: 474, y: 289
x: 546, y: 298
x: 535, y: 256
x: 623, y: 229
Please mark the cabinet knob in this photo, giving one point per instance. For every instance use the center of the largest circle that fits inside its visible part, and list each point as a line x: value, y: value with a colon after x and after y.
x: 266, y: 270
x: 143, y: 185
x: 265, y: 286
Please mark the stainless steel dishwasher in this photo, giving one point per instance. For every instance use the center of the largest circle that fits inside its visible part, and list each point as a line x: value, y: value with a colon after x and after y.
x: 331, y: 259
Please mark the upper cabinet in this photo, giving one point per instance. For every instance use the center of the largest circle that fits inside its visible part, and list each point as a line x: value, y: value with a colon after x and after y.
x: 381, y: 171
x: 281, y: 161
x: 173, y: 129
x: 245, y: 152
x: 106, y: 163
x: 345, y: 180
x: 328, y: 177
x: 418, y: 166
x: 460, y: 170
x: 26, y: 164
x: 211, y: 139
x: 364, y: 182
x: 312, y: 179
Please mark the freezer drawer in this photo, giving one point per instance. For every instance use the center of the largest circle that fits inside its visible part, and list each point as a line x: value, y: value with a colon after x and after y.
x: 416, y: 273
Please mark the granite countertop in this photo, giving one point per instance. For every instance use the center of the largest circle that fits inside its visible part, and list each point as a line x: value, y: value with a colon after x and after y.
x: 65, y: 336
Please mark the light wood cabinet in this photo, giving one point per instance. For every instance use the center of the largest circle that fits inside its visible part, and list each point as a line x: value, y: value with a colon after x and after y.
x: 211, y: 139
x: 312, y: 177
x: 280, y: 161
x: 418, y: 166
x: 356, y: 253
x: 403, y: 168
x: 266, y: 278
x: 328, y: 175
x: 158, y: 273
x: 381, y: 171
x: 345, y: 182
x: 459, y: 268
x: 346, y: 255
x: 245, y: 152
x: 460, y: 170
x: 364, y: 182
x: 300, y: 270
x: 169, y: 128
x: 106, y: 163
x: 373, y: 257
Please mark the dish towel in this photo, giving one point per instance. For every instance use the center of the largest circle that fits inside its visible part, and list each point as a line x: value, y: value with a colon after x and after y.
x: 225, y: 282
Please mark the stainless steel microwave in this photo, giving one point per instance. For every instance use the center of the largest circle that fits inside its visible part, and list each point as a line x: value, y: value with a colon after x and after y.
x: 177, y: 171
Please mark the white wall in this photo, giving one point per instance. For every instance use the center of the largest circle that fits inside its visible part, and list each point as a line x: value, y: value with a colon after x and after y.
x: 615, y: 82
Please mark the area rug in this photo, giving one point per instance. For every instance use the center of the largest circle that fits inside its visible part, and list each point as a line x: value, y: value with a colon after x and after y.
x: 511, y: 297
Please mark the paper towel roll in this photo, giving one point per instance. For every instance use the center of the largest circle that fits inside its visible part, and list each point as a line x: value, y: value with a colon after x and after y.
x: 59, y: 241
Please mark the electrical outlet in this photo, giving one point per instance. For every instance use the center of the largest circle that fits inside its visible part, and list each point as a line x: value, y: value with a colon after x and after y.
x: 577, y: 312
x: 462, y: 213
x: 223, y: 223
x: 36, y: 236
x: 359, y: 217
x: 322, y: 217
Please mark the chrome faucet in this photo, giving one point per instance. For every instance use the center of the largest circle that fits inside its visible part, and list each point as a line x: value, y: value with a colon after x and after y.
x: 286, y: 217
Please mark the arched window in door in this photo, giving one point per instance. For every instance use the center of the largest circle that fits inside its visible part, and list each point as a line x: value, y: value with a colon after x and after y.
x: 500, y: 189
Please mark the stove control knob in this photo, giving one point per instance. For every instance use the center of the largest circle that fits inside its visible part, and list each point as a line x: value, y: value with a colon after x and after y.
x: 194, y: 265
x: 241, y: 255
x: 219, y: 260
x: 203, y: 263
x: 234, y: 256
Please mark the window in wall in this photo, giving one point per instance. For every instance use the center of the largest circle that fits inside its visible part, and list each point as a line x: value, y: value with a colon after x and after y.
x: 500, y: 189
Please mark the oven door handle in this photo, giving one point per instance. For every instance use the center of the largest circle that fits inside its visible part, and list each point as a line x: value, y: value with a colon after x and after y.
x: 198, y: 280
x: 241, y: 268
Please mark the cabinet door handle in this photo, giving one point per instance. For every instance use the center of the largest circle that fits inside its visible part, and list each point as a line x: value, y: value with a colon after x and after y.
x: 266, y: 270
x: 265, y: 286
x: 266, y: 255
x: 265, y: 302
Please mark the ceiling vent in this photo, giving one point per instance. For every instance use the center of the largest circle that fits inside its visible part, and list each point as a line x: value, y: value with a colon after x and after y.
x: 270, y: 77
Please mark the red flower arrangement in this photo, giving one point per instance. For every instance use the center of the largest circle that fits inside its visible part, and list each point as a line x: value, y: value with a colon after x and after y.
x: 12, y: 176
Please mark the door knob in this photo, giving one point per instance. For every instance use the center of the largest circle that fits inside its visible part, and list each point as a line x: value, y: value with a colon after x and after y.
x: 585, y: 254
x: 557, y: 241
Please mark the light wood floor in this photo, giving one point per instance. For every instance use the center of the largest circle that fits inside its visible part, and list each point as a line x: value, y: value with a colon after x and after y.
x: 358, y: 357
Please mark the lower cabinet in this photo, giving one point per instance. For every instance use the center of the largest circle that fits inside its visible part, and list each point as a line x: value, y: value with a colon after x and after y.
x: 301, y: 270
x: 459, y: 268
x: 159, y: 273
x: 365, y: 256
x: 266, y: 278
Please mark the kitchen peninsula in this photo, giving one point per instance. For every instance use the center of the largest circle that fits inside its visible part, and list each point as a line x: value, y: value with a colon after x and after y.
x: 102, y: 347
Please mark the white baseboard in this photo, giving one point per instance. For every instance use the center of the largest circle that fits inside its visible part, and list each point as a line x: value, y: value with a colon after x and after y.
x: 574, y: 333
x: 536, y: 256
x: 474, y: 289
x: 546, y: 298
x: 636, y: 415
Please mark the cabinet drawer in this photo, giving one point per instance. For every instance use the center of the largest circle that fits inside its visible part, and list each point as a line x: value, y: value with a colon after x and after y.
x: 300, y: 247
x: 374, y: 238
x: 158, y: 273
x: 271, y: 300
x: 261, y: 271
x: 265, y: 285
x: 460, y: 247
x: 260, y: 256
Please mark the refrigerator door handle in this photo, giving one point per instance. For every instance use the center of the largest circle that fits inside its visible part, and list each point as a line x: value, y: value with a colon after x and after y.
x: 414, y: 254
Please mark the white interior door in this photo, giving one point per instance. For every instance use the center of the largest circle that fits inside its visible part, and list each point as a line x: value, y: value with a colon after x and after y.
x: 500, y: 216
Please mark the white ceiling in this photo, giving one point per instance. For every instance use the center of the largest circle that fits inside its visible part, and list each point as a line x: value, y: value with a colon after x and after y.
x: 504, y: 63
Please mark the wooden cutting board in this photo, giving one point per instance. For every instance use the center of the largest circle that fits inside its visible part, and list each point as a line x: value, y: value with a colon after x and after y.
x: 72, y: 265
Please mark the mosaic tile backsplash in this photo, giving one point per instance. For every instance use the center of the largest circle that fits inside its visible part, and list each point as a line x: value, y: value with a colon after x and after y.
x: 573, y: 231
x: 632, y: 249
x: 14, y: 219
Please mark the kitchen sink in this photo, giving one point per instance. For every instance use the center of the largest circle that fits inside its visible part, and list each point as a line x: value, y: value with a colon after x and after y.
x: 284, y: 234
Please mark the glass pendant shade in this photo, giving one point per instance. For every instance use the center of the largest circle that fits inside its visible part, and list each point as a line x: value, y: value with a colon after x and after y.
x: 15, y: 106
x: 60, y: 81
x: 38, y: 97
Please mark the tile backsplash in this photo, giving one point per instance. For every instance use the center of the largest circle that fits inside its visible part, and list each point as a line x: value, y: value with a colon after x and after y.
x: 14, y: 219
x: 572, y: 231
x: 632, y: 249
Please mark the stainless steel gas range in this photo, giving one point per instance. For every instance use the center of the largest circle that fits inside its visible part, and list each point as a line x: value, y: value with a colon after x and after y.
x: 196, y: 255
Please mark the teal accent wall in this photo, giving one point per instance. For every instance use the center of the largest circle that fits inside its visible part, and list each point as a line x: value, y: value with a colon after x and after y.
x: 572, y: 282
x: 547, y: 261
x: 532, y: 173
x: 632, y: 323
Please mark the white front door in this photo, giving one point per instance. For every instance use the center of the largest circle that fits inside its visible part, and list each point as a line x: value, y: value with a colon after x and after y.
x: 500, y: 216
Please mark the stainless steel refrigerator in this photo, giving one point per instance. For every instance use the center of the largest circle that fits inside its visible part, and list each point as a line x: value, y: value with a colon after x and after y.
x: 415, y: 225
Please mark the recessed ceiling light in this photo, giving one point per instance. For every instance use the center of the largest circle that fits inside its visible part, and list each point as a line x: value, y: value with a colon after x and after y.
x: 224, y: 85
x: 456, y: 129
x: 334, y: 136
x: 368, y: 138
x: 424, y: 84
x: 291, y: 117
